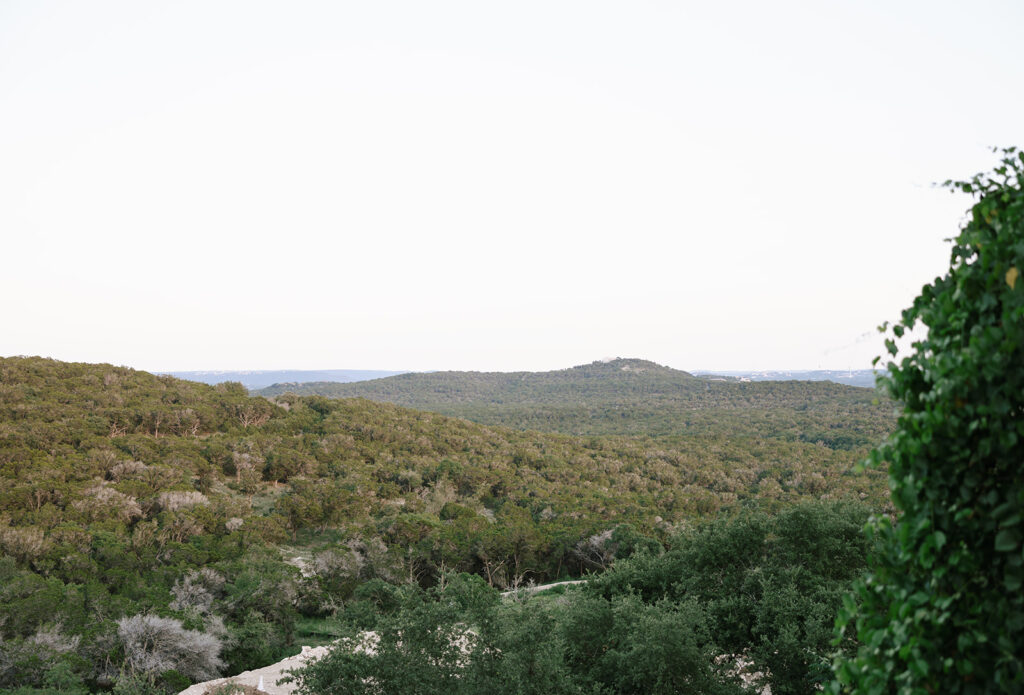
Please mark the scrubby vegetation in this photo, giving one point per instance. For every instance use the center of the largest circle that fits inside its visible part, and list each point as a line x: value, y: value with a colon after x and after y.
x: 144, y: 517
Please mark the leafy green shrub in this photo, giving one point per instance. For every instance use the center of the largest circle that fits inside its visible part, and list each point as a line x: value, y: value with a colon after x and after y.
x: 462, y: 639
x: 255, y: 642
x: 943, y: 609
x: 769, y: 587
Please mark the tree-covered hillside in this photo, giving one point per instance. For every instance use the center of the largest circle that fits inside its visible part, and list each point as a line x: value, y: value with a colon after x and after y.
x: 138, y: 510
x: 632, y: 397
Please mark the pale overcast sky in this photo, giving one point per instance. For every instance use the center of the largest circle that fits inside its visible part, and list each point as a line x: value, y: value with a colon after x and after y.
x: 480, y: 185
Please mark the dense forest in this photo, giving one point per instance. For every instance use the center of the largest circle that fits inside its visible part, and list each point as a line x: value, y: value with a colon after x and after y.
x: 138, y: 510
x: 632, y: 397
x: 738, y: 605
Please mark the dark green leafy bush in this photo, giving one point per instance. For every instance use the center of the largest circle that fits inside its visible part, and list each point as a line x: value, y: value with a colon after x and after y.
x: 943, y: 608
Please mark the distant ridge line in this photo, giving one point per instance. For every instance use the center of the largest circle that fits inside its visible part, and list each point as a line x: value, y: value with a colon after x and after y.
x: 262, y: 378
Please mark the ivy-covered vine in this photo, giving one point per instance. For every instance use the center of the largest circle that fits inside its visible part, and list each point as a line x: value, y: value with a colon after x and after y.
x: 942, y: 610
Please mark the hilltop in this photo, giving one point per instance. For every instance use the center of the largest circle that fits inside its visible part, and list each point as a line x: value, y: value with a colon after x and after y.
x: 632, y: 397
x: 597, y: 380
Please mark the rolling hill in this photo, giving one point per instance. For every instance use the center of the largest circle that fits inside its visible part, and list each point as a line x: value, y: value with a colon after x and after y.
x: 632, y: 397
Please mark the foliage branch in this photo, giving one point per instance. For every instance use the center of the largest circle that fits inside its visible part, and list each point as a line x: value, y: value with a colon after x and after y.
x: 943, y: 609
